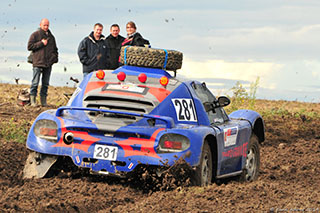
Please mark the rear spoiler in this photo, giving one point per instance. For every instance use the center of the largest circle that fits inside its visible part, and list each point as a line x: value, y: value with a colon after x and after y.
x: 168, y: 120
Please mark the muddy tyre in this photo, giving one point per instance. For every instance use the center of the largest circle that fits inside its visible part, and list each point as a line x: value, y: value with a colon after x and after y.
x: 252, y: 164
x: 203, y: 172
x: 150, y: 57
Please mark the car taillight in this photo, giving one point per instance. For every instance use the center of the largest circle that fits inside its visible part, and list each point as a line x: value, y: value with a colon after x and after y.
x: 100, y: 74
x: 121, y: 76
x: 46, y: 129
x: 164, y: 81
x: 142, y: 77
x: 172, y: 142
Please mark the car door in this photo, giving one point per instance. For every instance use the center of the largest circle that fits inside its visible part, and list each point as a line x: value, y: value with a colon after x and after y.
x: 231, y: 135
x: 233, y: 140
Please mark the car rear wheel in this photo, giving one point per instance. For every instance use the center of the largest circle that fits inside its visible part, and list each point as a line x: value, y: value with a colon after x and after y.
x: 252, y: 163
x: 151, y: 57
x: 203, y: 173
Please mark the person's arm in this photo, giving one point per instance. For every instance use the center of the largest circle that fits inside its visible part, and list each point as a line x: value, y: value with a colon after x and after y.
x: 55, y: 51
x: 138, y: 40
x: 82, y: 52
x: 86, y: 57
x: 33, y: 43
x: 108, y: 54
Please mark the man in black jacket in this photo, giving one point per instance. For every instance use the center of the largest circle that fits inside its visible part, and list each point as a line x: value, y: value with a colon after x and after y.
x: 93, y: 52
x: 113, y: 42
x: 45, y: 53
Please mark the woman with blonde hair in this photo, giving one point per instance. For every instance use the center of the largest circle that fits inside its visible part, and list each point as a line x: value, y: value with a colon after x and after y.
x: 133, y: 37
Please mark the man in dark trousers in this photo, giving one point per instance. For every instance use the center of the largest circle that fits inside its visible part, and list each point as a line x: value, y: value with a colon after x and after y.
x: 45, y: 53
x: 114, y: 41
x: 93, y: 52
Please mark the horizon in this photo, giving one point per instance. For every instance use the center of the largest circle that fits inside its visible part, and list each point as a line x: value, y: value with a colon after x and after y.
x: 223, y: 42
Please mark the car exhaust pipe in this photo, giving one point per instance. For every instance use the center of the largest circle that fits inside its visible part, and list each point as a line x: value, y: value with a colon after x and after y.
x: 68, y: 138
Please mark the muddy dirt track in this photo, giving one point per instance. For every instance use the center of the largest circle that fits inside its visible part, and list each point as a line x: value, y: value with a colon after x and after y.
x: 289, y: 179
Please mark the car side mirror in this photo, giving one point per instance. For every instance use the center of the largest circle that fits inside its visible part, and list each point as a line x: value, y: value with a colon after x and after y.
x: 208, y: 106
x: 223, y: 101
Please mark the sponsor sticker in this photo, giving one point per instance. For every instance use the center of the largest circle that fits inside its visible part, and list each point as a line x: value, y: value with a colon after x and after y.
x: 77, y: 159
x: 125, y: 87
x: 236, y: 151
x: 230, y: 136
x: 130, y: 165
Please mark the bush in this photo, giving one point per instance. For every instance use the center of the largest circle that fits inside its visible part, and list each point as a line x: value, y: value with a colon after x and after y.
x: 241, y: 98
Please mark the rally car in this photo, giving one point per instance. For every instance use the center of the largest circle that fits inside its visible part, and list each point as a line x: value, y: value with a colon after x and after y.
x: 119, y: 120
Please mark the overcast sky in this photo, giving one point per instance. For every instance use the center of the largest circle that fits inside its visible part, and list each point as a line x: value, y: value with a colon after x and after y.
x: 222, y: 41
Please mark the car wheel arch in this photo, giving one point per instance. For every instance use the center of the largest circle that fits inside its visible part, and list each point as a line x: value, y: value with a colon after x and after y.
x: 212, y: 142
x: 259, y: 129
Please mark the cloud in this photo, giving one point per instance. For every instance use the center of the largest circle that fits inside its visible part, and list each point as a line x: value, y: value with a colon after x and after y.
x: 266, y: 43
x: 247, y: 71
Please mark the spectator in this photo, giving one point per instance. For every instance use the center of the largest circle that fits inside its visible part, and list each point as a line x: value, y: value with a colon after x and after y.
x: 114, y: 41
x: 45, y: 53
x: 92, y: 51
x: 133, y: 37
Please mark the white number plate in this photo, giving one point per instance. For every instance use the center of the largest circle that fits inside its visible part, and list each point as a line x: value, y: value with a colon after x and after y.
x: 184, y: 109
x: 105, y: 152
x: 126, y: 87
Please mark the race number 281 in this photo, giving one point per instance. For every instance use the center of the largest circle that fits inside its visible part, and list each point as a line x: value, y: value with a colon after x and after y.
x: 105, y: 152
x: 184, y: 109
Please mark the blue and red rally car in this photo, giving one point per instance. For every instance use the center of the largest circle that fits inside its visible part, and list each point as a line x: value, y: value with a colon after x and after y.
x: 119, y: 119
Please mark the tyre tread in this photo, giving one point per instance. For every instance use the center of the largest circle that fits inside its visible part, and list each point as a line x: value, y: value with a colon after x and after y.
x: 151, y: 57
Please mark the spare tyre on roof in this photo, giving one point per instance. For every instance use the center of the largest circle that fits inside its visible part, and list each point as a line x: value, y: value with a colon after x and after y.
x: 151, y: 57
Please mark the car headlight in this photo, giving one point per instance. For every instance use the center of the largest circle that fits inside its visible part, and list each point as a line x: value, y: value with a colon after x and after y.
x: 46, y: 129
x: 173, y: 143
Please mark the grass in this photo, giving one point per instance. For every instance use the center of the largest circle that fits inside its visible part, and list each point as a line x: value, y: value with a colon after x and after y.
x: 14, y: 131
x: 306, y: 114
x: 246, y: 99
x: 15, y: 121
